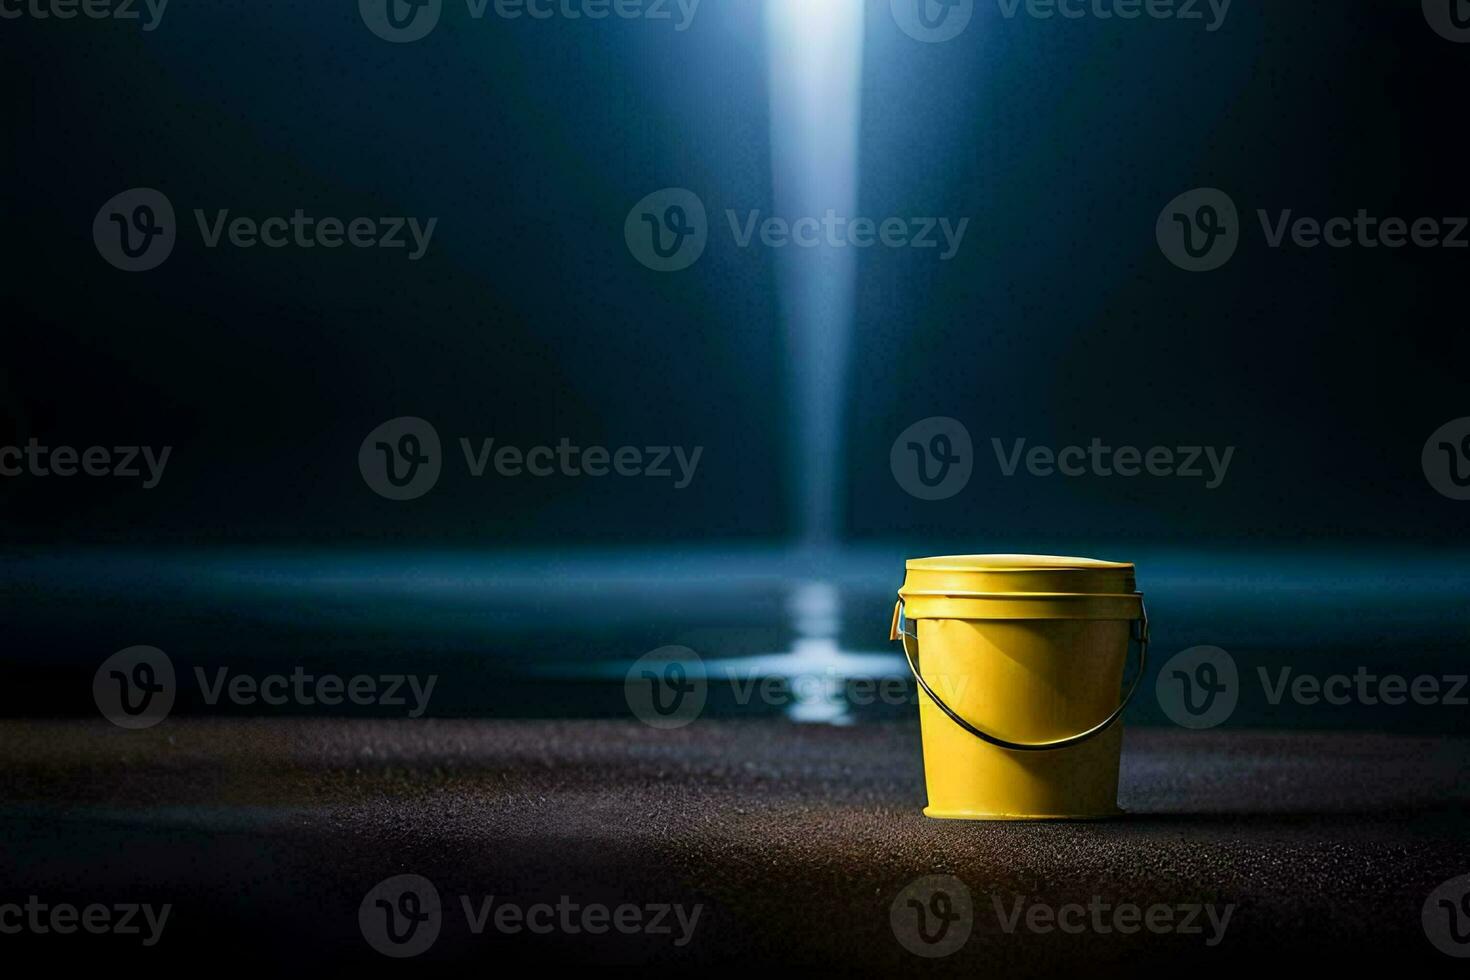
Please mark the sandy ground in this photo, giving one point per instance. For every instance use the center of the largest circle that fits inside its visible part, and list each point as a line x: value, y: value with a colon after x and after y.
x: 266, y: 836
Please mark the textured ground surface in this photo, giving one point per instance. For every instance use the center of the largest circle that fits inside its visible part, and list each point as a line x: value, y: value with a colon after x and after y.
x: 266, y: 835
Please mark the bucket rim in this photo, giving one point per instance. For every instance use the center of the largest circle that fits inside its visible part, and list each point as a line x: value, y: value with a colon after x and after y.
x: 906, y: 593
x: 1013, y: 563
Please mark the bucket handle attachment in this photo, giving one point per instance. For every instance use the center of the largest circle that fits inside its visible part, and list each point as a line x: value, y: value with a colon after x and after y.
x: 1137, y: 633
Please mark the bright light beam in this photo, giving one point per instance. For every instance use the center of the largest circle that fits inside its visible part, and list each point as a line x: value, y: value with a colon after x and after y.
x: 815, y: 57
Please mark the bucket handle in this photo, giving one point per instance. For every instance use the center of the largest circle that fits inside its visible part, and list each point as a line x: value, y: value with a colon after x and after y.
x: 1137, y: 633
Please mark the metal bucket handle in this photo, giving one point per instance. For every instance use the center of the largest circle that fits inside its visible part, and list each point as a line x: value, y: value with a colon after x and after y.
x: 1137, y: 633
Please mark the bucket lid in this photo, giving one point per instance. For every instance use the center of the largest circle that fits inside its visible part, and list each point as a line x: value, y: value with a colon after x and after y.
x: 962, y: 576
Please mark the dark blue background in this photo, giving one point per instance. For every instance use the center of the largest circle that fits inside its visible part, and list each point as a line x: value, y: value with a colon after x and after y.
x: 528, y: 320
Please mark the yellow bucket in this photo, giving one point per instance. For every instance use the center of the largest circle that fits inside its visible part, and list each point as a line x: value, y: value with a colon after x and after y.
x: 1020, y: 659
